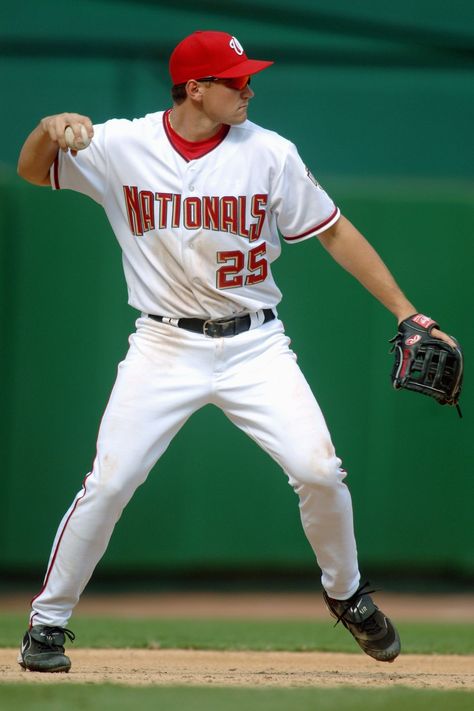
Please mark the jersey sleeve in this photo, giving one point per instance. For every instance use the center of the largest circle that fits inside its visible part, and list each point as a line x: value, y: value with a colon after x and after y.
x: 87, y: 171
x: 302, y: 208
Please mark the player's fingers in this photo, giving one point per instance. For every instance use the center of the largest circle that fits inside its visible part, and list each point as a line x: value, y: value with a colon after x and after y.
x: 48, y: 125
x: 78, y: 126
x: 55, y: 126
x: 436, y: 333
x: 76, y: 121
x: 82, y: 130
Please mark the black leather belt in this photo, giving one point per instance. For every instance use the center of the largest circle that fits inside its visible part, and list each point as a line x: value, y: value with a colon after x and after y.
x: 215, y: 328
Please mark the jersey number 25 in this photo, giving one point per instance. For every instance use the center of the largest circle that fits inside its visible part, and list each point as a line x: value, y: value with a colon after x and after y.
x: 230, y: 276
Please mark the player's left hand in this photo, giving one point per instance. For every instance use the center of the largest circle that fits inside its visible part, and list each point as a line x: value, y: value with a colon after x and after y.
x: 427, y: 360
x: 436, y: 333
x: 433, y: 329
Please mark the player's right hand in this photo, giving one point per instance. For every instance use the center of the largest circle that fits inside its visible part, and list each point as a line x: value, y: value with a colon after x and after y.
x: 54, y: 126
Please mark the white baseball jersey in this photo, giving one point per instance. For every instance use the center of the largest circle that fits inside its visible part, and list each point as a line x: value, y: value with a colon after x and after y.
x: 198, y: 236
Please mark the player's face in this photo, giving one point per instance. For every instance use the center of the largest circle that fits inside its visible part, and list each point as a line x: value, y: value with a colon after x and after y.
x: 224, y: 102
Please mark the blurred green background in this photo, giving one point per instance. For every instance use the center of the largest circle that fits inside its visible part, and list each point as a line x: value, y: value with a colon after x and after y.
x: 378, y: 97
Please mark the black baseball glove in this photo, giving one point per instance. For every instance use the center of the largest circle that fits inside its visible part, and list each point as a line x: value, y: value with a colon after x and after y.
x: 426, y: 364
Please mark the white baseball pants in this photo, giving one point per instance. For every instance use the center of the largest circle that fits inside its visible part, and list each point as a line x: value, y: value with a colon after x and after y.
x: 168, y: 374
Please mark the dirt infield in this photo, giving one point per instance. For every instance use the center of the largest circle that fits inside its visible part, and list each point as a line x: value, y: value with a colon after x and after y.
x: 256, y: 669
x: 248, y: 668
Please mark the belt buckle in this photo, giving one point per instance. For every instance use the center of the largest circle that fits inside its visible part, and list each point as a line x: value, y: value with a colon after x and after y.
x: 210, y: 328
x: 217, y: 328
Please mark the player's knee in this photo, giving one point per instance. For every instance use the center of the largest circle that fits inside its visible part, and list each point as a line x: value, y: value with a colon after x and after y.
x: 113, y: 494
x: 116, y: 481
x: 317, y: 469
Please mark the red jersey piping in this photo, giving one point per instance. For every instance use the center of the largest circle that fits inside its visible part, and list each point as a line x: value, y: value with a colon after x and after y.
x: 179, y: 143
x: 315, y: 228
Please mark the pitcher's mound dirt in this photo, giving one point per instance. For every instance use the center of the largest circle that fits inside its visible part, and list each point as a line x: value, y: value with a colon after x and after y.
x: 284, y: 669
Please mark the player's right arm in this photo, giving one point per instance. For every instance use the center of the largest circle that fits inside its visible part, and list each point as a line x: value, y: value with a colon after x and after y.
x: 42, y: 145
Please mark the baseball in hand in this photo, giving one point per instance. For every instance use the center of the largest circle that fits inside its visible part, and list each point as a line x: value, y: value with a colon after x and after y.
x: 76, y: 144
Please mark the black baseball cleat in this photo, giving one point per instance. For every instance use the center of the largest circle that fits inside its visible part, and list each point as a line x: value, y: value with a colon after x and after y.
x: 42, y: 649
x: 373, y: 632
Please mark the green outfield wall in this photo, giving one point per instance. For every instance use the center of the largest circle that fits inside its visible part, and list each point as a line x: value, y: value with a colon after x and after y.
x: 380, y: 102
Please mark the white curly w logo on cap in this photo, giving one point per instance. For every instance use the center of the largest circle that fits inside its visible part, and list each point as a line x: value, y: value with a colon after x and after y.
x: 236, y: 46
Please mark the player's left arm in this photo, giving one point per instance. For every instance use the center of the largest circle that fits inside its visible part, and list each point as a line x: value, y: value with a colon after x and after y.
x: 349, y: 248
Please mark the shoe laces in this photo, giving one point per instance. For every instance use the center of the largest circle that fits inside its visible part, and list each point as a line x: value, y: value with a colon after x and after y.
x: 49, y: 633
x: 370, y: 624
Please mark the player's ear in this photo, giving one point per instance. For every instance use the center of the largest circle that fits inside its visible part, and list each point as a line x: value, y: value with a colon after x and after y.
x: 194, y: 89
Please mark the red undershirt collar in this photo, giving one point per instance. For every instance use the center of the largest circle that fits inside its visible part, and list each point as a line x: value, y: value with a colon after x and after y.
x: 190, y: 150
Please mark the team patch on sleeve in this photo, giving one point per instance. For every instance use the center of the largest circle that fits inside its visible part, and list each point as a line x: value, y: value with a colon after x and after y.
x: 311, y: 177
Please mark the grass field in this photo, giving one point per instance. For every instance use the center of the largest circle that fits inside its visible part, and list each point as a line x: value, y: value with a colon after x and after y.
x: 100, y: 698
x: 421, y: 638
x: 290, y: 635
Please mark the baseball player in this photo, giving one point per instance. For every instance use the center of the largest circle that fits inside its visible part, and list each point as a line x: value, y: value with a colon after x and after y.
x: 199, y: 198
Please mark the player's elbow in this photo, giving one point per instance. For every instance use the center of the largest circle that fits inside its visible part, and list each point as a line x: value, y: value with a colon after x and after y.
x: 30, y: 175
x: 35, y: 161
x: 21, y: 169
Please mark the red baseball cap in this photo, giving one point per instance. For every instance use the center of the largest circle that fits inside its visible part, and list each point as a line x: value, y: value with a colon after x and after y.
x: 211, y: 54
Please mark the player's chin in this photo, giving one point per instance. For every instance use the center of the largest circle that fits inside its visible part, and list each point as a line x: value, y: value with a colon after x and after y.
x: 239, y: 117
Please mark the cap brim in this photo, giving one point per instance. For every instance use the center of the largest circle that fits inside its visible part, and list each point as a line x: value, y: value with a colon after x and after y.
x: 247, y: 67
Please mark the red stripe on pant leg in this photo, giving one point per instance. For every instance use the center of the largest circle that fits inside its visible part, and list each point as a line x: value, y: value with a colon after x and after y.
x: 53, y: 560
